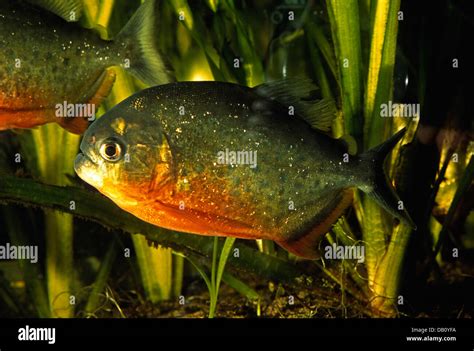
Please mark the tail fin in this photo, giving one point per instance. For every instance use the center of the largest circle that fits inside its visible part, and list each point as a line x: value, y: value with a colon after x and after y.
x: 69, y: 10
x: 381, y: 189
x: 139, y: 35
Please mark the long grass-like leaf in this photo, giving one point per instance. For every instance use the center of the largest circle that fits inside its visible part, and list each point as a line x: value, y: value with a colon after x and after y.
x: 35, y: 284
x: 386, y: 282
x: 344, y: 19
x: 54, y: 148
x: 178, y: 272
x: 202, y: 273
x: 229, y: 243
x: 252, y: 64
x: 381, y: 258
x: 464, y: 184
x: 197, y: 30
x: 155, y: 269
x: 101, y: 279
x: 240, y: 287
x: 315, y: 33
x: 319, y: 71
x: 218, y: 270
x: 380, y: 72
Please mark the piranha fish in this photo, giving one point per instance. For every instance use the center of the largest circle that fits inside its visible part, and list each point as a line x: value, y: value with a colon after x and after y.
x: 46, y: 62
x: 170, y: 156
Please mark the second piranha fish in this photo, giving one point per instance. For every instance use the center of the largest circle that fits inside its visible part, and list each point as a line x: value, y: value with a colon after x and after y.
x: 46, y: 62
x: 221, y: 159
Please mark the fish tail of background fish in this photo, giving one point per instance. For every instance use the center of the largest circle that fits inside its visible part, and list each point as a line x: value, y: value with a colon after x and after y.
x: 137, y: 40
x: 377, y: 185
x: 69, y: 10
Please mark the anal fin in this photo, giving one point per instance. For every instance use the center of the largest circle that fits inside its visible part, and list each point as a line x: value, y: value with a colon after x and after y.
x: 73, y: 125
x: 306, y: 245
x: 102, y: 87
x: 95, y: 95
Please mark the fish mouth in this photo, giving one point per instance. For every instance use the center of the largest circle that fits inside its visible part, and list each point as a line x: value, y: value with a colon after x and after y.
x: 87, y: 170
x: 80, y: 162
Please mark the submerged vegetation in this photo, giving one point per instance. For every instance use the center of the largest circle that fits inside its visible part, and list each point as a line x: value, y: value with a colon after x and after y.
x: 99, y: 261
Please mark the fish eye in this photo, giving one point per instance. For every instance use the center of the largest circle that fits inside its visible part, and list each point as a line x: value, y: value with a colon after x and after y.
x: 111, y: 150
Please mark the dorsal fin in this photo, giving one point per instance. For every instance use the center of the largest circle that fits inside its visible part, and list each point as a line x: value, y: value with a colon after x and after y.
x: 298, y: 93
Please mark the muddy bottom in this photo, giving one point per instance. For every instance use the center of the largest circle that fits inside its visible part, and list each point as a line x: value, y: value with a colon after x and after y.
x: 451, y: 298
